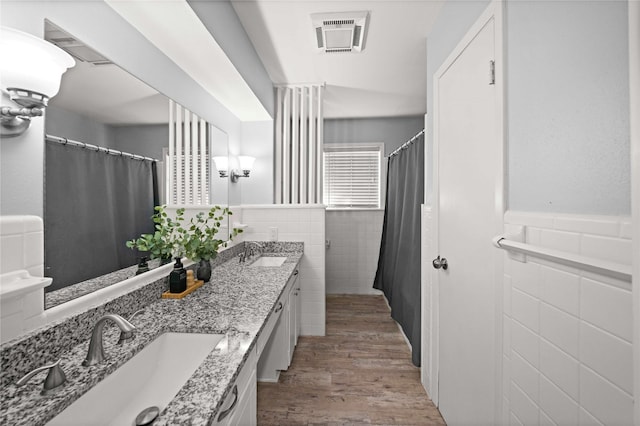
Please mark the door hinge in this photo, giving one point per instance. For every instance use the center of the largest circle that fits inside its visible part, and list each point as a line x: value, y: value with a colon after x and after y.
x: 492, y: 72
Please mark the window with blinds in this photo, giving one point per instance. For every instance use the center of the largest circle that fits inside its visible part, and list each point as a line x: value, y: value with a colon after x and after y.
x: 188, y: 161
x: 352, y: 176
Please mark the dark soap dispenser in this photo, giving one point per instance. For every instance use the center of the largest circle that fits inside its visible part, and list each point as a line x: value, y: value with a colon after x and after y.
x: 143, y: 266
x: 178, y: 278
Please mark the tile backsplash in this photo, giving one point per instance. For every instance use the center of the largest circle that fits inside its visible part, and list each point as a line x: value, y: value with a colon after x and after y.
x: 22, y: 244
x: 21, y: 248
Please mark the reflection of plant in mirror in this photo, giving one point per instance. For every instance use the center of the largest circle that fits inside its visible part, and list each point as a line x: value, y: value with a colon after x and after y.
x: 168, y: 239
x: 200, y: 242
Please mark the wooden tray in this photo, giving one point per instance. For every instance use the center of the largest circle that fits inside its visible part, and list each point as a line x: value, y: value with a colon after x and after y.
x: 190, y: 289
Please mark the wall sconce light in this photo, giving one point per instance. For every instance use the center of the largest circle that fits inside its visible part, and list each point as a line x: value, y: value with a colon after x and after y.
x: 246, y: 164
x: 31, y: 70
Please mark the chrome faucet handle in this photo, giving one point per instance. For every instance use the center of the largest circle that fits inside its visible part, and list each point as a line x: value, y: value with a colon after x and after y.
x: 128, y: 335
x: 55, y: 378
x: 136, y: 313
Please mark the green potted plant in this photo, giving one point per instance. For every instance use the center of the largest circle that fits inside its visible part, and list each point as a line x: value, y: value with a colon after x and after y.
x: 168, y: 239
x: 201, y: 244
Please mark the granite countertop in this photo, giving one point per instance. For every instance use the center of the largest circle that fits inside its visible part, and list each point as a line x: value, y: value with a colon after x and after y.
x: 63, y: 295
x: 236, y: 302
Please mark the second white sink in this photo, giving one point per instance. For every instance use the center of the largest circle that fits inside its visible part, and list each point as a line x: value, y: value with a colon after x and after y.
x: 268, y: 261
x: 152, y: 377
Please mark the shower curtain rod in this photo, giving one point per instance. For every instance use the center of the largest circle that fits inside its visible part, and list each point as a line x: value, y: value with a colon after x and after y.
x: 65, y: 141
x: 406, y: 144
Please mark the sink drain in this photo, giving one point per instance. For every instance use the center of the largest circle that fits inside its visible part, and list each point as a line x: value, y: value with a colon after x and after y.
x: 147, y: 416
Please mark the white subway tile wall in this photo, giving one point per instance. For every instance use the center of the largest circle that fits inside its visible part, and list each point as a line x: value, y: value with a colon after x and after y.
x: 352, y: 258
x: 21, y: 248
x: 567, y: 339
x: 305, y: 223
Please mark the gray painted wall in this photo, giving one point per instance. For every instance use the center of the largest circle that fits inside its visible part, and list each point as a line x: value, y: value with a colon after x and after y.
x: 68, y: 124
x: 96, y: 24
x: 257, y: 141
x: 392, y: 131
x: 567, y: 102
x: 147, y: 139
x: 568, y: 99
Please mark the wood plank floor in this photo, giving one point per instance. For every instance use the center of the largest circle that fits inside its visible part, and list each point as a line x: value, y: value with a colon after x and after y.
x: 359, y: 373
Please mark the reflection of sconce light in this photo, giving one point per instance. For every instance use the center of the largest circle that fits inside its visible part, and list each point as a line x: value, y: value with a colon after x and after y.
x: 31, y: 71
x: 222, y: 164
x: 246, y: 164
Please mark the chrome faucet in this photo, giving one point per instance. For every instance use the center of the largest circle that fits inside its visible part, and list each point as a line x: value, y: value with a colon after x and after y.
x: 250, y: 249
x: 96, y: 348
x: 54, y: 379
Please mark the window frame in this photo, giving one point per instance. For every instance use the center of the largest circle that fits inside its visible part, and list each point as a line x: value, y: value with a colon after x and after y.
x: 382, y: 172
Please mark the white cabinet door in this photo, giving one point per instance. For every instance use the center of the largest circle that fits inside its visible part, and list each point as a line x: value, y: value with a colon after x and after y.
x: 298, y: 311
x: 291, y: 313
x: 274, y: 355
x: 241, y: 405
x: 294, y: 313
x: 246, y: 412
x: 278, y: 351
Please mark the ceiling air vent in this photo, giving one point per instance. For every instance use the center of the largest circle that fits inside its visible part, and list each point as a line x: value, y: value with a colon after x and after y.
x: 72, y: 46
x: 340, y: 31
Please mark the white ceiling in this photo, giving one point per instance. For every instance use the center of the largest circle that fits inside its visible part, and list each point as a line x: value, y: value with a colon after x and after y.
x: 174, y: 28
x: 110, y: 95
x: 388, y: 78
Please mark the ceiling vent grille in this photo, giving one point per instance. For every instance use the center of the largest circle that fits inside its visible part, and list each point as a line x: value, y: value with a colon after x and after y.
x: 340, y: 31
x: 72, y: 46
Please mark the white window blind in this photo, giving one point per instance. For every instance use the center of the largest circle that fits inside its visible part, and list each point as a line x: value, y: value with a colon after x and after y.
x: 352, y: 176
x: 189, y: 158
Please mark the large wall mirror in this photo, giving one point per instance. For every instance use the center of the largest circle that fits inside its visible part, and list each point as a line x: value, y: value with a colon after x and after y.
x: 98, y: 198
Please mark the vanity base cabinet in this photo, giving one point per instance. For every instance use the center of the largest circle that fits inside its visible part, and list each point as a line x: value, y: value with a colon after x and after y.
x: 241, y: 405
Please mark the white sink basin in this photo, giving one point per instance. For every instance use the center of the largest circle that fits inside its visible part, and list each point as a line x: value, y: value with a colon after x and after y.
x: 268, y: 261
x: 152, y: 377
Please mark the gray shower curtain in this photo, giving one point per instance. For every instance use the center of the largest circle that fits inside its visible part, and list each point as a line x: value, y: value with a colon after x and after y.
x: 398, y: 274
x: 94, y: 203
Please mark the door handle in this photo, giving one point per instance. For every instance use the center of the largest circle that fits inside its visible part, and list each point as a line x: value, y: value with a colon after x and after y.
x: 440, y: 263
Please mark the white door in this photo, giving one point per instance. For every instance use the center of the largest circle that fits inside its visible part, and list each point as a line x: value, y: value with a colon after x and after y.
x: 468, y: 151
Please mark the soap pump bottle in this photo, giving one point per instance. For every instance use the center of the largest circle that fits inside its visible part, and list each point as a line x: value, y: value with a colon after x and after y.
x: 178, y: 278
x: 143, y: 266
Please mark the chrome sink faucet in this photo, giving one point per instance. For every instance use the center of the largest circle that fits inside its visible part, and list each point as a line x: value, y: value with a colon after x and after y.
x: 250, y: 249
x: 96, y: 347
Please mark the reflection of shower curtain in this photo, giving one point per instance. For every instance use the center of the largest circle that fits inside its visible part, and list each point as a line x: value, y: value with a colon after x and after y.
x: 94, y: 203
x: 398, y: 274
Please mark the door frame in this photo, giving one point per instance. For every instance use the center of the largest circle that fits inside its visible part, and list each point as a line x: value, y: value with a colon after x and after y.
x: 634, y: 111
x: 495, y: 11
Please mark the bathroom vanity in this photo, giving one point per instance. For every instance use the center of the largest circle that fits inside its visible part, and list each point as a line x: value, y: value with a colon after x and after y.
x: 252, y: 310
